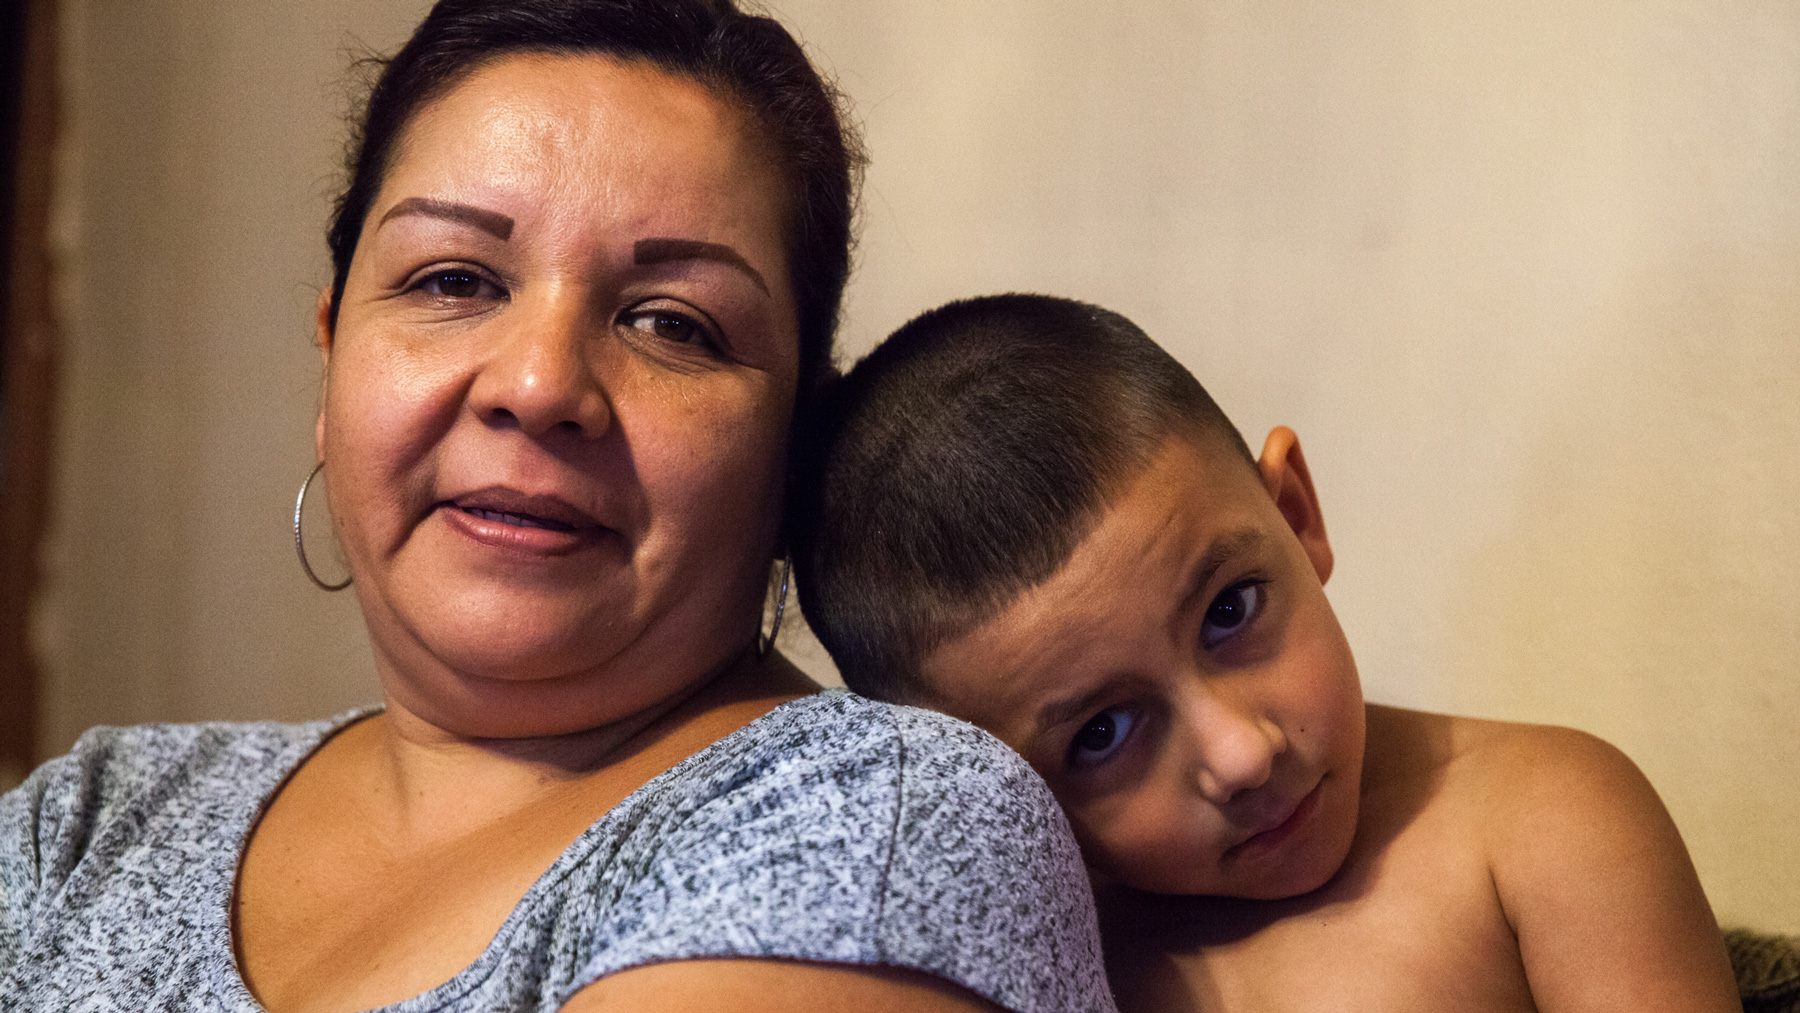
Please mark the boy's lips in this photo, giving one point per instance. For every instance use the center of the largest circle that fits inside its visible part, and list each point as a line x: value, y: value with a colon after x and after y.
x: 1277, y: 831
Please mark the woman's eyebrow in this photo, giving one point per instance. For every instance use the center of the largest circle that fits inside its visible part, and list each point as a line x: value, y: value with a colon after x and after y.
x: 492, y: 222
x: 662, y: 251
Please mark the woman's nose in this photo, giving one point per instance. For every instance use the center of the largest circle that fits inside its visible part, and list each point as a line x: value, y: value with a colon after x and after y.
x: 543, y: 375
x: 1235, y: 745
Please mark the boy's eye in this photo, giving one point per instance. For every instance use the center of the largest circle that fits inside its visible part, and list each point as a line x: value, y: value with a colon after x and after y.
x: 1230, y: 612
x: 1101, y: 737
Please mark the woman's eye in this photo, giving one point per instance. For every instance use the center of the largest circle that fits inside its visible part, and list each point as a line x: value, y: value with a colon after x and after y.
x: 457, y: 284
x: 1101, y: 737
x: 670, y: 326
x: 1230, y: 612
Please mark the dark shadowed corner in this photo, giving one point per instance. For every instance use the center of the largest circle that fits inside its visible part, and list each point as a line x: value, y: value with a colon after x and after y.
x: 28, y: 119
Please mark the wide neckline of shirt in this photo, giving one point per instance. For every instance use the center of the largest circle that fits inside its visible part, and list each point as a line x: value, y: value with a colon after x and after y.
x: 489, y: 960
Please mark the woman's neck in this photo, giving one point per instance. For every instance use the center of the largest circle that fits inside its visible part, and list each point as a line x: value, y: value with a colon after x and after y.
x: 436, y: 780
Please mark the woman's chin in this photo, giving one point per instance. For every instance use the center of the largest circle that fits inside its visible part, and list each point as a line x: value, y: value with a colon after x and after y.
x: 513, y: 710
x: 508, y: 685
x: 470, y: 644
x: 502, y: 625
x: 518, y: 654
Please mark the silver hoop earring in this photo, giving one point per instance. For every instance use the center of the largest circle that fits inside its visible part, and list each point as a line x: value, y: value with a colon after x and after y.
x: 766, y: 644
x: 300, y: 544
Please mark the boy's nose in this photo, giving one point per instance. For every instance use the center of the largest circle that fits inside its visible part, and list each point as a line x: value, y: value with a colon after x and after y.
x: 543, y: 374
x: 1235, y: 745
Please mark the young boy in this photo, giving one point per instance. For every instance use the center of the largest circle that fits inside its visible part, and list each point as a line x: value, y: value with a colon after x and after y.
x: 1022, y: 512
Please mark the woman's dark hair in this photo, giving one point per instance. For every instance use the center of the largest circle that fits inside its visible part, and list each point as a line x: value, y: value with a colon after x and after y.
x: 751, y: 60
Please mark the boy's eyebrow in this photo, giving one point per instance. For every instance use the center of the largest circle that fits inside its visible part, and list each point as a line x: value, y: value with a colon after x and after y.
x: 1063, y: 711
x: 1236, y: 542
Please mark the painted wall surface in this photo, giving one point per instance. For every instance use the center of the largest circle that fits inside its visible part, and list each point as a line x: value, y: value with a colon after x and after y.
x: 1524, y: 276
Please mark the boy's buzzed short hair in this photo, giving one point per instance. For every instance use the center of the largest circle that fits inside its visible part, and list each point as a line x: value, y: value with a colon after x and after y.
x: 961, y: 463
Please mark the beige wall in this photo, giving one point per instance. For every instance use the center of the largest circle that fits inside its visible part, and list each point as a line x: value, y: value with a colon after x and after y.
x: 1525, y: 277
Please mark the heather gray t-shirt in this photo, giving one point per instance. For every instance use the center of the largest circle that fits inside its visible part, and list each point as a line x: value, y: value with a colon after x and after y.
x: 831, y: 829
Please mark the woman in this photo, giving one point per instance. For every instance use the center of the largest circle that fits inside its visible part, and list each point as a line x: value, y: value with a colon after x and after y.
x: 587, y: 269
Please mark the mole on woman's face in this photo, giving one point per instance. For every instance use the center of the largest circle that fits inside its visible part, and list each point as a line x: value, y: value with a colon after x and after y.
x: 560, y: 384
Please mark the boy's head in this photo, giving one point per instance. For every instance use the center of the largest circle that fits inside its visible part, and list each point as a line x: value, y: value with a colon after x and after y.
x: 1023, y: 512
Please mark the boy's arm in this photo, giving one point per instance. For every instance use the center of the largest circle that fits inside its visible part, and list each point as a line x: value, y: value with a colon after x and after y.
x: 1597, y: 885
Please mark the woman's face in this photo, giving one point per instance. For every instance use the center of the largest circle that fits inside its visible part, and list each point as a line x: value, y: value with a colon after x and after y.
x: 557, y: 396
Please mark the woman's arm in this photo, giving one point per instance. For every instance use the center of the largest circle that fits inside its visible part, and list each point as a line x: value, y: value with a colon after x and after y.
x: 773, y: 986
x: 1598, y: 886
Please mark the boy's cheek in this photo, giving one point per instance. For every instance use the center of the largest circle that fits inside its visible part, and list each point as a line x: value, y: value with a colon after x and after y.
x: 1322, y: 692
x: 1142, y: 841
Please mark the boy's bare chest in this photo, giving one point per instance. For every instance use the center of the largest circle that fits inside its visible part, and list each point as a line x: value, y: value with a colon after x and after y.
x: 1362, y: 960
x: 1416, y: 927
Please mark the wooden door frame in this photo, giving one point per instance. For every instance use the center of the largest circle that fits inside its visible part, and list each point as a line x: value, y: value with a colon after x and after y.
x: 28, y: 352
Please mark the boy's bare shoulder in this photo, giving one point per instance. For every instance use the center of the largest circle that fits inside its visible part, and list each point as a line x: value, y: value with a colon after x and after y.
x: 1511, y: 758
x: 1480, y: 738
x: 1517, y: 775
x: 1585, y: 863
x: 1519, y: 796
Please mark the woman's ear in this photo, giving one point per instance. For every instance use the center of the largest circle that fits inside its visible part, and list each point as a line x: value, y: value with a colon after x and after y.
x: 322, y: 326
x: 322, y: 337
x: 1290, y: 485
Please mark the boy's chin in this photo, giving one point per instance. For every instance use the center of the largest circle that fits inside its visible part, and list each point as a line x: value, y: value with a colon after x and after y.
x: 1304, y: 873
x: 1297, y: 881
x: 1300, y: 874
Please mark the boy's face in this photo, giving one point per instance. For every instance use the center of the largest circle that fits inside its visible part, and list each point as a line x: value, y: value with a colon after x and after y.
x: 1182, y: 682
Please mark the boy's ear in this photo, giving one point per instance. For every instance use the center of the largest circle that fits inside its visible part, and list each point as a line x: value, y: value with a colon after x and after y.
x: 322, y: 338
x: 1290, y: 485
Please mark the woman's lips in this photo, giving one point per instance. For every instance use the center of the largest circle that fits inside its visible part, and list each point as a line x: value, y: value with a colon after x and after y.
x: 1275, y: 836
x: 508, y: 519
x: 519, y: 520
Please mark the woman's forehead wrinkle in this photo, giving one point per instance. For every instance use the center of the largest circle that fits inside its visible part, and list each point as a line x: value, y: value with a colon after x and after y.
x: 576, y: 157
x: 556, y: 138
x: 522, y: 143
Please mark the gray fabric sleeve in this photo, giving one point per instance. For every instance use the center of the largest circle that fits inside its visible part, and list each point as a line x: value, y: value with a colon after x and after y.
x: 919, y: 842
x: 987, y: 886
x: 45, y: 825
x: 20, y: 874
x: 80, y: 801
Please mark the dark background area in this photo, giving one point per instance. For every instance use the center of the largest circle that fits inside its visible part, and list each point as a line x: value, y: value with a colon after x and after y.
x: 12, y: 73
x: 27, y: 134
